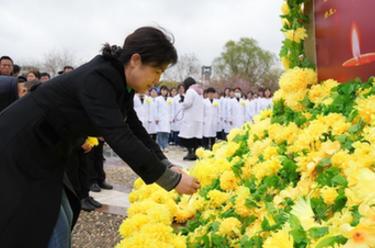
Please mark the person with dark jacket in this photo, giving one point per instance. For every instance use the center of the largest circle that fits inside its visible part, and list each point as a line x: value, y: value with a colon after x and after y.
x: 97, y: 176
x: 96, y: 99
x: 10, y: 91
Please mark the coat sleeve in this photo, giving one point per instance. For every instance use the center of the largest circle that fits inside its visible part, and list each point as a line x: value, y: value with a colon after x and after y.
x: 98, y: 98
x: 188, y: 101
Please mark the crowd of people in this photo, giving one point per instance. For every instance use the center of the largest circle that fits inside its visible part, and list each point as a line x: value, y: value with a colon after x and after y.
x: 190, y: 116
x: 85, y: 165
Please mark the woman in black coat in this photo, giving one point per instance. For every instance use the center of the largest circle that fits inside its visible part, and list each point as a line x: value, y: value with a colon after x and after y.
x: 96, y: 99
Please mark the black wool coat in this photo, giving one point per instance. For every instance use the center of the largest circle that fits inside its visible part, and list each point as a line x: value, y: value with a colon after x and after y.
x: 36, y: 134
x: 8, y: 91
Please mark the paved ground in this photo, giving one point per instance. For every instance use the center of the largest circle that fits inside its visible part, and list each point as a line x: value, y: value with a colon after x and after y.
x: 99, y: 228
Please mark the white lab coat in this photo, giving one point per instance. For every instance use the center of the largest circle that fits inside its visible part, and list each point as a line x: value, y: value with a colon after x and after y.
x: 163, y: 116
x: 236, y: 112
x: 226, y: 113
x: 210, y: 118
x: 192, y: 121
x: 150, y: 110
x: 264, y: 103
x: 140, y: 109
x: 177, y: 113
x: 221, y: 124
x: 251, y: 110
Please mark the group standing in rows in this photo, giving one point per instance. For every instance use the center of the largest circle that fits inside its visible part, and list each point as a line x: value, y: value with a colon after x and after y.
x: 191, y: 116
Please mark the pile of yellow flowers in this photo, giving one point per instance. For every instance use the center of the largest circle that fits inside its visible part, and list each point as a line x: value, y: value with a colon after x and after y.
x: 301, y: 175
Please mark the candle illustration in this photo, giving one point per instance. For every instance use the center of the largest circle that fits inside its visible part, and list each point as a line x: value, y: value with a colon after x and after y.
x: 358, y: 58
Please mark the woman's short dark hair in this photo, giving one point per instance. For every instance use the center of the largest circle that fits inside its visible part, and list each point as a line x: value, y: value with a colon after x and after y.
x: 154, y: 46
x: 188, y: 82
x: 35, y: 72
x: 163, y: 87
x: 210, y: 90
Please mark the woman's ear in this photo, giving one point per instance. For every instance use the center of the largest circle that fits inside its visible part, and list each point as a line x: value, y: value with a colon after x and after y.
x: 135, y: 60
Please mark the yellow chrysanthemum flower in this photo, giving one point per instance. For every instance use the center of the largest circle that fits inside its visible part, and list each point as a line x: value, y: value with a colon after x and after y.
x: 280, y: 239
x: 296, y: 35
x: 228, y: 181
x: 328, y: 194
x: 230, y: 227
x: 92, y: 141
x: 285, y: 9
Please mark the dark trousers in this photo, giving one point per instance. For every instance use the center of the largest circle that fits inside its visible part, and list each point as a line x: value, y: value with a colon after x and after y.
x: 192, y: 143
x: 208, y: 142
x: 78, y: 173
x: 153, y: 136
x: 95, y: 160
x: 221, y: 135
x: 174, y: 138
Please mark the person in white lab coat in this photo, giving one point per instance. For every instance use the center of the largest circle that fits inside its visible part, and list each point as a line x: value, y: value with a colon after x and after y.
x: 251, y: 107
x: 265, y: 100
x: 237, y: 107
x: 222, y: 117
x: 150, y: 113
x: 177, y: 114
x: 139, y: 107
x: 163, y: 117
x: 191, y: 131
x: 226, y: 111
x: 210, y: 119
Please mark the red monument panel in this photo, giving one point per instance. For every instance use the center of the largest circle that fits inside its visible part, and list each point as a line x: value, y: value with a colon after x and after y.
x: 345, y: 39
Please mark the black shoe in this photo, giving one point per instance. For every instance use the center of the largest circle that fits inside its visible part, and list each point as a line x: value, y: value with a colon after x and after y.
x: 86, y: 205
x: 191, y: 157
x: 95, y: 187
x: 105, y: 185
x: 189, y: 154
x: 94, y: 202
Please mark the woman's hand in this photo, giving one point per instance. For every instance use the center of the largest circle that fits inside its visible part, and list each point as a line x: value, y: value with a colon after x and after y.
x: 86, y: 147
x: 187, y: 185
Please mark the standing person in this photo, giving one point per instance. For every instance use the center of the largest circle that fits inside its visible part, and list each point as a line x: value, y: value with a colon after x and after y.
x: 151, y: 113
x: 177, y: 114
x: 93, y: 100
x: 78, y: 174
x: 6, y: 66
x: 10, y: 91
x: 210, y: 119
x: 139, y: 107
x: 237, y: 109
x: 163, y: 119
x: 251, y: 107
x: 44, y: 76
x: 173, y: 92
x: 33, y: 75
x: 265, y: 102
x: 191, y: 131
x: 227, y: 114
x: 97, y: 176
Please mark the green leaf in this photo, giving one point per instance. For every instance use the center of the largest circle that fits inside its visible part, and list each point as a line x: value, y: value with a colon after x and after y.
x: 331, y: 177
x: 297, y: 232
x: 340, y: 201
x: 356, y: 216
x: 317, y: 232
x: 253, y: 242
x: 319, y: 208
x: 331, y: 241
x: 288, y: 172
x: 219, y: 241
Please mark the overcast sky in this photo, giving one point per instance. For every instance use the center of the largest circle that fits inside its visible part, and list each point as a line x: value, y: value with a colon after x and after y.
x: 30, y: 29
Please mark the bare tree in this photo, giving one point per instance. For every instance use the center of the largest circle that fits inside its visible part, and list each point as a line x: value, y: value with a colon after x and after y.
x: 187, y: 66
x: 54, y: 61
